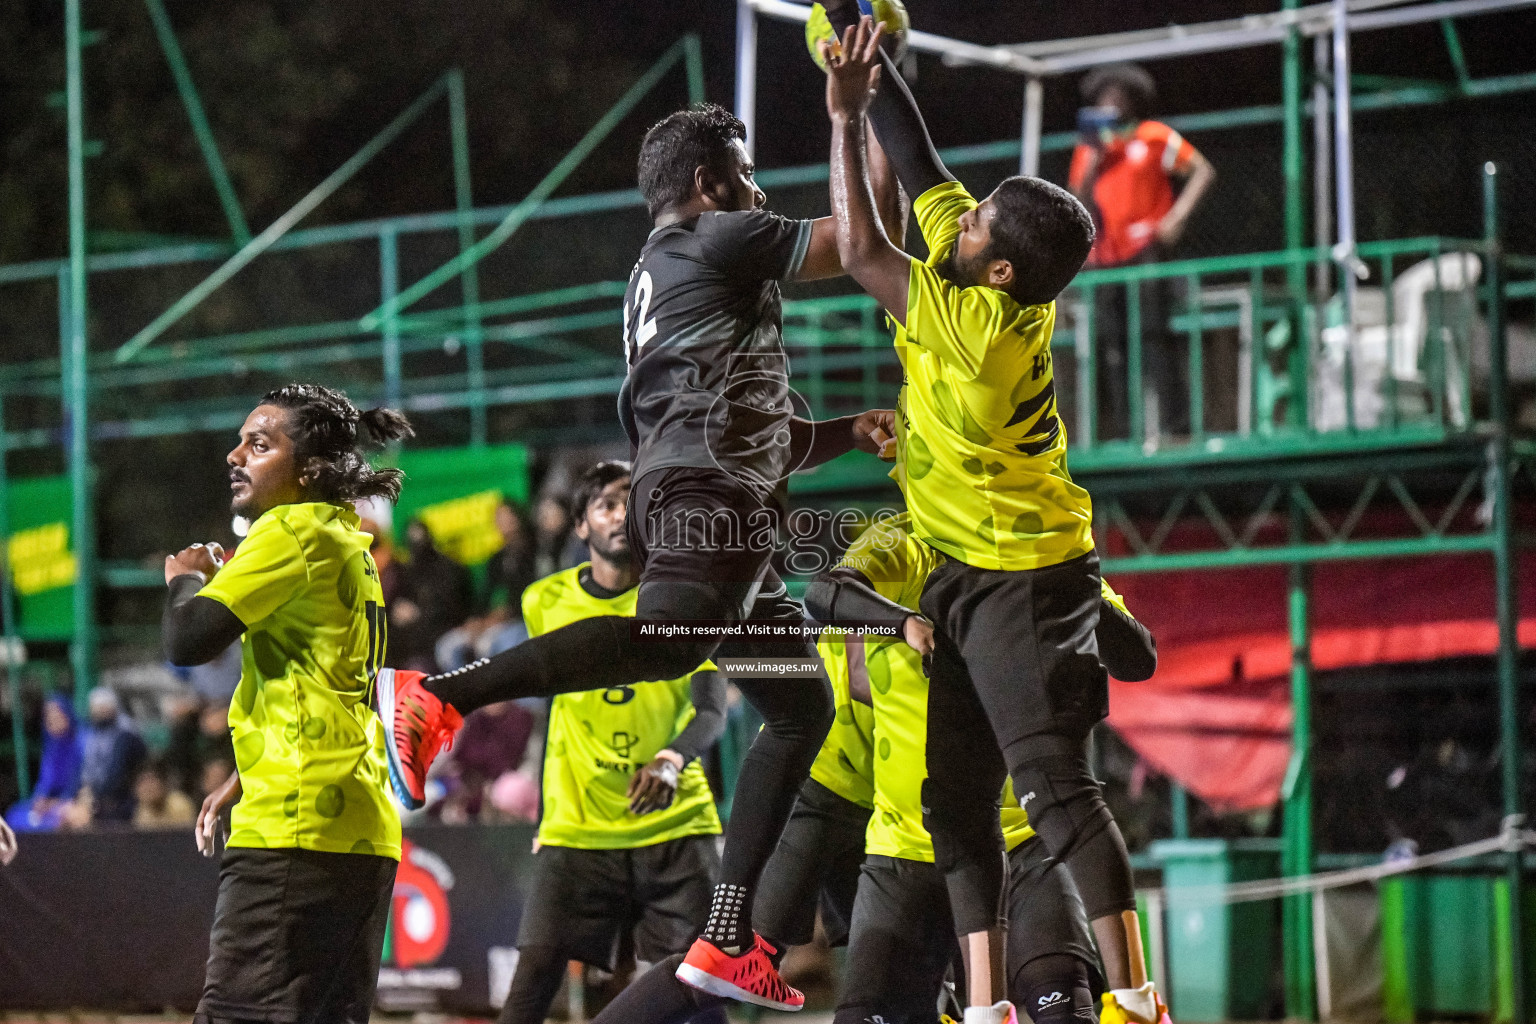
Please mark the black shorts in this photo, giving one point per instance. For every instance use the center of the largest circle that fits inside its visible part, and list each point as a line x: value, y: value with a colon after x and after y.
x: 904, y: 943
x: 297, y: 936
x: 816, y: 863
x: 1023, y: 642
x: 585, y: 903
x: 692, y: 526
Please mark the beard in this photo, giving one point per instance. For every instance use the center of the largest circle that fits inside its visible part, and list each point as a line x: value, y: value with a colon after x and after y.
x: 615, y: 551
x: 959, y: 272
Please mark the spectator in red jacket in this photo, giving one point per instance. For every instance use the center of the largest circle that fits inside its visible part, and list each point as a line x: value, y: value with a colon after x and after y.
x: 1142, y: 181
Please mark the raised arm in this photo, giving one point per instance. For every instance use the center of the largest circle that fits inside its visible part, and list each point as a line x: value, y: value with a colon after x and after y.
x: 866, y: 252
x: 897, y: 122
x: 821, y: 256
x: 195, y: 629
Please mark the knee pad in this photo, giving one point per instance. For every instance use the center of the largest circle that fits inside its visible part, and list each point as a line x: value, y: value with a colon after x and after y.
x: 1063, y: 800
x: 968, y: 848
x: 1053, y: 989
x: 1067, y: 810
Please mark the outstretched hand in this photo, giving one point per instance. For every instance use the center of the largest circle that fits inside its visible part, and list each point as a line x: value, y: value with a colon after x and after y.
x: 853, y: 69
x: 874, y: 431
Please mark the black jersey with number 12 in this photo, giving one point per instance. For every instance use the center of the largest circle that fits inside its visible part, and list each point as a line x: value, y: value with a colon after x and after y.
x: 708, y: 382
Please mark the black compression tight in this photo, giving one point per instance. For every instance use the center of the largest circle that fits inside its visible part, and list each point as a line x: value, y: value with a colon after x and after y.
x: 657, y: 997
x: 540, y: 969
x: 1053, y: 989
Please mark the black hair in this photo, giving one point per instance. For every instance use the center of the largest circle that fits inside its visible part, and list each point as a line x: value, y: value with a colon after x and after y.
x: 679, y: 144
x: 592, y: 482
x: 1044, y: 232
x: 1133, y: 79
x: 323, y: 426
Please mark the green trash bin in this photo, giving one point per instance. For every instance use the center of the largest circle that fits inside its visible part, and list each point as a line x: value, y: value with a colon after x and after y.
x: 1445, y: 949
x: 1221, y: 957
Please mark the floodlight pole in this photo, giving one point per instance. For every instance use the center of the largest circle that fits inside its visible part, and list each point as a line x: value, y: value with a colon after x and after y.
x: 1034, y: 120
x: 746, y: 70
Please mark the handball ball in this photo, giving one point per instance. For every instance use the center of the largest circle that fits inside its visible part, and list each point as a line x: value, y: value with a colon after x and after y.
x: 890, y: 13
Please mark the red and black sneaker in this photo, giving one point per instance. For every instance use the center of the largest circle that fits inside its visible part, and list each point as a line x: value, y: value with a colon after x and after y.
x: 417, y: 727
x: 750, y: 977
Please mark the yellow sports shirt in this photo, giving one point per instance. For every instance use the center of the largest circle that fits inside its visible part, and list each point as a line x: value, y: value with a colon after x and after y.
x: 897, y: 565
x: 982, y: 452
x: 598, y: 739
x: 308, y: 744
x: 843, y: 764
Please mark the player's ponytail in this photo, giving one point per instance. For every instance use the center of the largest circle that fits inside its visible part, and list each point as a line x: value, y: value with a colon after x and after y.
x: 324, y: 427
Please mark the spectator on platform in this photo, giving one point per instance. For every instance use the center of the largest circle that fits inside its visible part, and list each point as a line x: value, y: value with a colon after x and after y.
x: 113, y: 754
x: 58, y: 778
x: 157, y: 805
x: 433, y: 596
x: 497, y: 624
x: 1124, y: 170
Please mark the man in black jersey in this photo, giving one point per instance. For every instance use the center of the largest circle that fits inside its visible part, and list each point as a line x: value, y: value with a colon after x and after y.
x: 707, y: 406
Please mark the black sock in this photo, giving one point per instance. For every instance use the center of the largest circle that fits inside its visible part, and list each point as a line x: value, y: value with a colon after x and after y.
x: 657, y: 997
x: 730, y: 915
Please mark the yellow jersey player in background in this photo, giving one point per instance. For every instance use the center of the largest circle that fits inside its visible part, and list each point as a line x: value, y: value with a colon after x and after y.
x: 982, y: 461
x: 627, y: 838
x: 309, y: 869
x: 901, y: 920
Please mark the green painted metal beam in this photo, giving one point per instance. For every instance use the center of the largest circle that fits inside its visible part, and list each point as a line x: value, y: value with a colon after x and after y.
x: 190, y: 99
x: 1297, y: 554
x: 520, y: 213
x: 624, y: 199
x: 282, y: 225
x: 469, y: 277
x: 75, y: 356
x: 1506, y: 595
x: 1457, y: 55
x: 693, y: 56
x: 8, y: 627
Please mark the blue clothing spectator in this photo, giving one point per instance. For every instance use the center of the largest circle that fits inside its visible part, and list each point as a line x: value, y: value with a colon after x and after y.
x: 113, y: 755
x: 58, y: 778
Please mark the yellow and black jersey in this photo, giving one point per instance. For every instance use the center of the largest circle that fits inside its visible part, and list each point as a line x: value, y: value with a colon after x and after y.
x: 598, y: 739
x: 982, y: 450
x: 308, y: 744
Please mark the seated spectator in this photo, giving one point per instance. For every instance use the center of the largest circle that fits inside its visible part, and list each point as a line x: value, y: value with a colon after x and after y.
x: 494, y: 741
x: 113, y: 754
x: 199, y: 734
x: 58, y: 779
x: 497, y: 625
x: 556, y: 545
x: 215, y: 773
x: 433, y: 596
x: 158, y: 805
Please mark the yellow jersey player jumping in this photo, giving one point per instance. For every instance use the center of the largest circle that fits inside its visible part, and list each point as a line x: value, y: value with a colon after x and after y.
x: 896, y: 920
x: 627, y: 838
x: 982, y: 461
x: 307, y: 875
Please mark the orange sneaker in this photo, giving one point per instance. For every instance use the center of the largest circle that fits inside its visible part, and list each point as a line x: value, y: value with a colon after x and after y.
x: 750, y: 977
x: 417, y: 727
